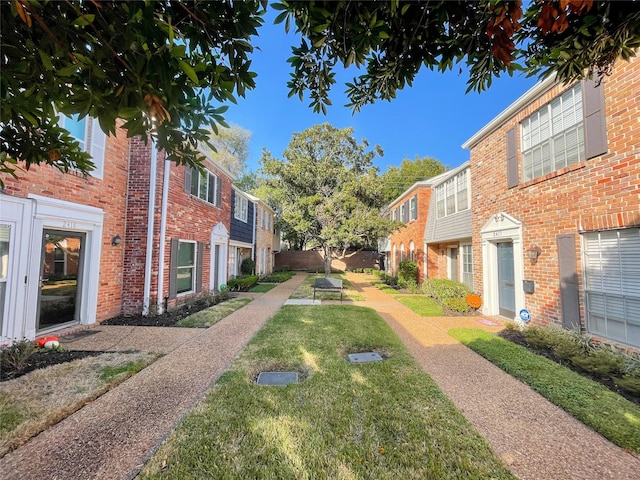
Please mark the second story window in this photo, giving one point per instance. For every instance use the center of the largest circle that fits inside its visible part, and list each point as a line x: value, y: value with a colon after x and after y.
x: 413, y: 208
x: 553, y: 137
x: 452, y: 196
x: 241, y: 208
x: 91, y: 138
x: 205, y: 186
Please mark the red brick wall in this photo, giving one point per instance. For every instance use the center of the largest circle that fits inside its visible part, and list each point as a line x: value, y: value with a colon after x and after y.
x: 108, y: 193
x: 314, y: 260
x: 188, y: 218
x: 411, y: 231
x: 599, y: 193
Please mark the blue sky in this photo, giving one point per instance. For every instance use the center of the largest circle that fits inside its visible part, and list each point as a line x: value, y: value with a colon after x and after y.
x: 432, y: 118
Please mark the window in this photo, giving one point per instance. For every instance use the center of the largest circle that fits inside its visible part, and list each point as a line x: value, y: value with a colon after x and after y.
x: 394, y: 217
x: 553, y: 137
x: 467, y: 265
x: 91, y: 138
x: 402, y: 252
x: 612, y: 284
x: 412, y: 252
x: 403, y: 212
x: 453, y: 195
x: 59, y: 261
x: 205, y: 186
x: 413, y: 208
x: 241, y: 208
x: 186, y: 267
x: 265, y: 219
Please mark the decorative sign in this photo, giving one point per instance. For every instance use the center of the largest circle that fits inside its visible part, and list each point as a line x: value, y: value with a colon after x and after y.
x: 525, y: 316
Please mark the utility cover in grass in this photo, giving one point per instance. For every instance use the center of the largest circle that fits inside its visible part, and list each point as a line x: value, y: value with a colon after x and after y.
x: 364, y: 357
x: 277, y: 378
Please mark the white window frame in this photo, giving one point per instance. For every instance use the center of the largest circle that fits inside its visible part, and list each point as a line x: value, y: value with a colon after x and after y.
x: 412, y: 251
x: 192, y: 267
x: 413, y: 208
x: 545, y: 133
x: 93, y: 141
x: 241, y: 208
x: 206, y: 190
x: 611, y: 283
x: 452, y: 196
x: 466, y: 254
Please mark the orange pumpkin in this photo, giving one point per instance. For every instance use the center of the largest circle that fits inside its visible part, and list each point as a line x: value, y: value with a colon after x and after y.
x: 474, y: 300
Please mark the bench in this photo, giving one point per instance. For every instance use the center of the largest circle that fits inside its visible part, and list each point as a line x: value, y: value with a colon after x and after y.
x: 327, y: 285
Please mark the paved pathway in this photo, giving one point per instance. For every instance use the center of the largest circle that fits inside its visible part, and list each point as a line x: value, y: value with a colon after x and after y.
x: 112, y: 437
x: 535, y: 439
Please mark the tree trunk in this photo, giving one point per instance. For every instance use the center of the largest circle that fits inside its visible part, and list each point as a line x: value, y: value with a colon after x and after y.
x: 327, y: 261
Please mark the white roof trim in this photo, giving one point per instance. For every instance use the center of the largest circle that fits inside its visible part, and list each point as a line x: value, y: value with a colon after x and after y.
x: 529, y: 96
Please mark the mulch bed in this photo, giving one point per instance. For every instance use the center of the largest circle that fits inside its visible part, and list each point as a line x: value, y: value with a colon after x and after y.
x: 518, y: 338
x: 167, y: 319
x: 42, y: 359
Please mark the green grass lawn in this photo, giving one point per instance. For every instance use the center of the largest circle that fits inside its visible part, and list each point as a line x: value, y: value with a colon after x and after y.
x: 305, y: 290
x: 593, y: 404
x: 383, y: 420
x: 421, y: 304
x: 263, y: 287
x: 212, y: 315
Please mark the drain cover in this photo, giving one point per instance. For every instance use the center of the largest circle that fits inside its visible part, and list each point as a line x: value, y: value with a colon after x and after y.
x: 364, y: 357
x: 277, y: 378
x: 77, y: 335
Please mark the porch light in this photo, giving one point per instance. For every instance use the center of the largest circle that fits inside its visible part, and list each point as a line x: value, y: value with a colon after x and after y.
x: 534, y: 252
x: 115, y: 241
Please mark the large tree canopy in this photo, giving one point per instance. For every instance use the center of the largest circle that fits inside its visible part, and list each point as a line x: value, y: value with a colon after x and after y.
x: 393, y: 40
x: 397, y: 179
x: 165, y: 68
x: 230, y: 148
x: 328, y: 191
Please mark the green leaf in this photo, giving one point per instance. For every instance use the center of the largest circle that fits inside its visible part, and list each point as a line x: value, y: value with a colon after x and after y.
x: 186, y: 68
x: 46, y: 60
x: 84, y: 20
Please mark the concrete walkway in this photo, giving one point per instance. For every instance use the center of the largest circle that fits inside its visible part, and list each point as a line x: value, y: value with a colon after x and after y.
x: 112, y: 437
x: 535, y: 439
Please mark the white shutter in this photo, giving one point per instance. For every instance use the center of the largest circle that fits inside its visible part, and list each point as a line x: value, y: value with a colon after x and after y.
x: 97, y: 148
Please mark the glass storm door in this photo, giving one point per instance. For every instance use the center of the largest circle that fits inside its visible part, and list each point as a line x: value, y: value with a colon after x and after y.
x: 60, y: 278
x: 506, y: 280
x: 5, y: 237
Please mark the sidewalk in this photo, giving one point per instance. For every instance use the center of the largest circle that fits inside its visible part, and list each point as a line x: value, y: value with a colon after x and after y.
x: 535, y: 439
x: 112, y: 437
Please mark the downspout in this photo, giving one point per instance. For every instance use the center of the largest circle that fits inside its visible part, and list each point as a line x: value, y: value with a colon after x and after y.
x: 255, y: 226
x: 163, y: 234
x: 146, y: 299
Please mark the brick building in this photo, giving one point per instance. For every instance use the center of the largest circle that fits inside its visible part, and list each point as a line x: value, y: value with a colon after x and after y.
x: 406, y: 243
x: 74, y: 218
x: 140, y: 234
x: 437, y: 227
x: 177, y: 233
x: 267, y: 241
x: 556, y: 206
x: 447, y: 233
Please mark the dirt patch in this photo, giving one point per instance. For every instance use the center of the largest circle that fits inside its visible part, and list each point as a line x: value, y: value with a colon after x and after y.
x: 518, y: 338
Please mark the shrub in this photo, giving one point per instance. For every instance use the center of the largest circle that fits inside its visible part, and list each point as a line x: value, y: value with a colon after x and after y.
x: 277, y: 277
x: 456, y: 304
x: 544, y: 337
x: 603, y: 362
x: 628, y: 383
x: 16, y: 355
x: 442, y: 288
x: 407, y: 272
x: 242, y: 284
x: 247, y: 266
